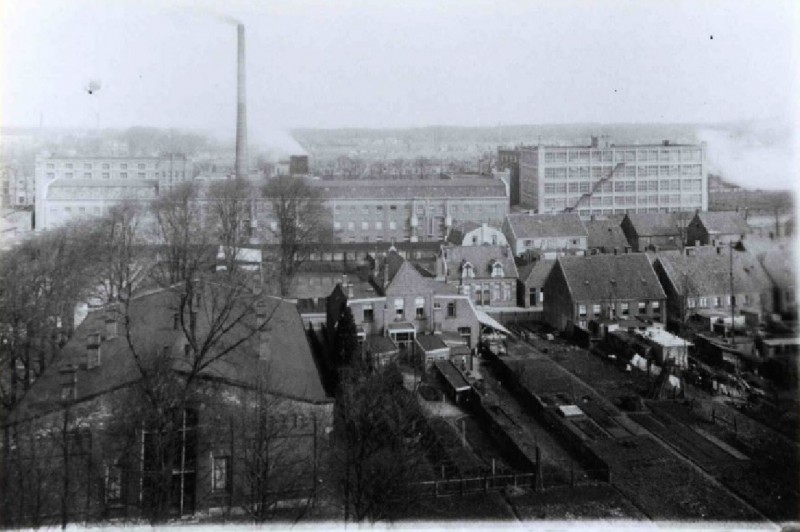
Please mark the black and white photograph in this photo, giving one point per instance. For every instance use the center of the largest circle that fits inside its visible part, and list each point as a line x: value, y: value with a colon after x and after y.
x: 399, y: 264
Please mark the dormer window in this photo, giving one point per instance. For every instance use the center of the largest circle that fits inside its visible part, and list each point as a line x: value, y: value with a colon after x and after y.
x: 497, y: 270
x: 467, y: 270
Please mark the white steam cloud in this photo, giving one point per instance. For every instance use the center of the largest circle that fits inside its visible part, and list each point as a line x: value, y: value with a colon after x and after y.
x: 753, y: 155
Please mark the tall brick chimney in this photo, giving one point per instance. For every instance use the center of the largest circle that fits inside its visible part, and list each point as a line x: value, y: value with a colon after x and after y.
x: 242, y: 164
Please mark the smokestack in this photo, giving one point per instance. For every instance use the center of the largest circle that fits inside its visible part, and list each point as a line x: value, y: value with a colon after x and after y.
x: 242, y: 165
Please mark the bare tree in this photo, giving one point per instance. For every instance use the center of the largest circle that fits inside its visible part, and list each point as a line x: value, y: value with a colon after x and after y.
x: 40, y: 282
x: 270, y: 442
x: 231, y: 215
x: 298, y: 221
x: 380, y: 452
x: 182, y: 234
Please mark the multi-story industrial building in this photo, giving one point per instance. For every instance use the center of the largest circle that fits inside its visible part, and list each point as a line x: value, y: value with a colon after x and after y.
x: 613, y: 179
x: 68, y: 187
x: 411, y: 211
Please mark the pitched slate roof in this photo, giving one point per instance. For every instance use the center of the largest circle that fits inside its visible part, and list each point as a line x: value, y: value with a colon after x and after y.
x: 709, y: 273
x: 430, y: 342
x: 392, y: 263
x: 606, y: 235
x: 535, y: 274
x: 546, y: 225
x: 780, y: 263
x: 481, y: 257
x: 659, y: 223
x: 378, y: 344
x: 404, y: 278
x: 724, y: 222
x: 287, y: 368
x: 597, y: 277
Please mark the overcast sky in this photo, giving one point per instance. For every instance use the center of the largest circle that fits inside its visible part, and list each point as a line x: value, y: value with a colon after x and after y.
x: 398, y: 63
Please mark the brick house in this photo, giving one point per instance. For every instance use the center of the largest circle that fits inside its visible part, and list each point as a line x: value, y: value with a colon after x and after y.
x: 610, y: 287
x: 699, y: 282
x: 399, y: 302
x: 488, y: 274
x: 530, y: 287
x: 89, y: 391
x: 716, y: 228
x: 545, y: 235
x: 655, y: 230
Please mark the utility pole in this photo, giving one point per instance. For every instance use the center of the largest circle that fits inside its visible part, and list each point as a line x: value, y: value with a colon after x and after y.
x: 733, y: 298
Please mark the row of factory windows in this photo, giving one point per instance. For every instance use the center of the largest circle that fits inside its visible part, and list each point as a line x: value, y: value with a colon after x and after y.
x: 625, y: 186
x: 626, y: 155
x: 122, y: 175
x: 372, y: 208
x: 578, y: 172
x: 105, y: 166
x: 654, y: 199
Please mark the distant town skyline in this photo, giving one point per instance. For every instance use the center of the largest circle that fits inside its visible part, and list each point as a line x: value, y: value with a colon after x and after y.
x: 392, y: 64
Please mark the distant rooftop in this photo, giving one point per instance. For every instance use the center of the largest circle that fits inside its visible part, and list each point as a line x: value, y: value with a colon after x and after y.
x: 400, y: 189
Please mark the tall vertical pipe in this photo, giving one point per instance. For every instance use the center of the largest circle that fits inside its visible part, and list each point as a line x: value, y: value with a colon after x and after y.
x: 242, y: 164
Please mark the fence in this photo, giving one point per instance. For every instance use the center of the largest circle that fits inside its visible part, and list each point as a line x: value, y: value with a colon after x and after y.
x: 485, y: 483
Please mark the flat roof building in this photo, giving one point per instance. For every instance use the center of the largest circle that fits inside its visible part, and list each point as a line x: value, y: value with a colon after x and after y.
x: 611, y: 179
x: 69, y: 187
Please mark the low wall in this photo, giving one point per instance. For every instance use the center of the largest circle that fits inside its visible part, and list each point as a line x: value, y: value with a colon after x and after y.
x: 571, y: 436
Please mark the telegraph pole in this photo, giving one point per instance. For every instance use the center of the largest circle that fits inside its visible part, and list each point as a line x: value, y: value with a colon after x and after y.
x: 733, y: 298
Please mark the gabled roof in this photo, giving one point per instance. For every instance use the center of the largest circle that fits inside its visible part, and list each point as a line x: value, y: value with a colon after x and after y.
x: 459, y: 231
x: 724, y: 222
x: 546, y: 225
x: 659, y: 223
x: 606, y: 235
x: 535, y: 274
x: 780, y: 263
x: 602, y: 277
x: 287, y: 367
x: 404, y: 278
x: 407, y: 280
x: 391, y: 263
x: 481, y: 257
x: 706, y: 273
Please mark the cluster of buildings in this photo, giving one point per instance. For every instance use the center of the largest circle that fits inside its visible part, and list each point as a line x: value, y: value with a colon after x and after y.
x: 613, y: 239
